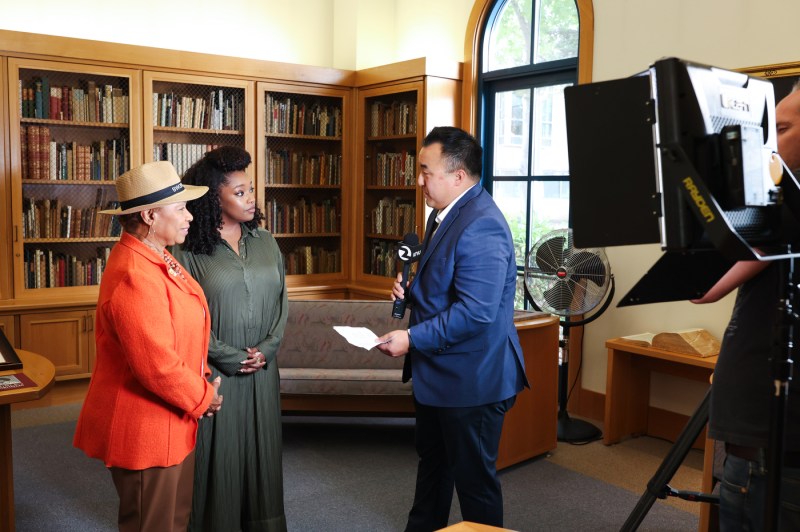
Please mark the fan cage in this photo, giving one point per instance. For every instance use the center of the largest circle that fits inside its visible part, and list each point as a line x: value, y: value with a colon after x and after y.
x: 565, y: 280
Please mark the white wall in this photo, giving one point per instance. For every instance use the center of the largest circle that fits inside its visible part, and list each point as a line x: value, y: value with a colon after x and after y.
x: 631, y: 34
x: 347, y: 34
x: 258, y: 29
x: 431, y: 28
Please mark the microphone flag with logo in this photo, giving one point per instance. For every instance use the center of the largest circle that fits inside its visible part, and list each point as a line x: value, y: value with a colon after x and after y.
x: 408, y: 250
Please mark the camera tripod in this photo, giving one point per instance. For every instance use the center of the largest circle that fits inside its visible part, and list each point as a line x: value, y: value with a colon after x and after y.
x: 781, y: 366
x: 658, y: 487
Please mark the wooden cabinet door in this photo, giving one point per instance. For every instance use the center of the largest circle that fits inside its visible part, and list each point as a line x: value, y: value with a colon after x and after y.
x: 61, y: 337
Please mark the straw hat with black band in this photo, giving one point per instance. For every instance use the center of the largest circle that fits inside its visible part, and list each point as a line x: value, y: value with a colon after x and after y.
x: 152, y: 185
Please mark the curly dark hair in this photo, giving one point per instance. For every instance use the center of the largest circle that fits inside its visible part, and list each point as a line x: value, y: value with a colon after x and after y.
x: 212, y: 171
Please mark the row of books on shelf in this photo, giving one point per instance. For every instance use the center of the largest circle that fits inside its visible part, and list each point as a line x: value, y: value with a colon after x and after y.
x: 87, y: 102
x: 290, y: 167
x: 50, y: 218
x: 393, y: 216
x: 395, y: 169
x: 283, y: 115
x: 46, y: 158
x: 395, y: 118
x: 223, y: 109
x: 303, y: 216
x: 383, y: 258
x: 305, y: 260
x: 182, y: 156
x: 45, y: 268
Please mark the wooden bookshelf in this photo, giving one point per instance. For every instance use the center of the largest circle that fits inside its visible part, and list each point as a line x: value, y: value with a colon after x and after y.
x: 391, y: 120
x: 304, y: 172
x: 73, y: 129
x: 188, y: 115
x: 393, y: 116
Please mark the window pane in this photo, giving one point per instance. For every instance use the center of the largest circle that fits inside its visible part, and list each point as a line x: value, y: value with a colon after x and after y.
x: 547, y: 212
x: 549, y: 131
x: 509, y: 43
x: 519, y: 295
x: 556, y: 30
x: 511, y: 132
x: 510, y: 197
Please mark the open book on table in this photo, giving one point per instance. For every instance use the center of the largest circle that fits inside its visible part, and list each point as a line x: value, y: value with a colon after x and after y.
x: 697, y: 342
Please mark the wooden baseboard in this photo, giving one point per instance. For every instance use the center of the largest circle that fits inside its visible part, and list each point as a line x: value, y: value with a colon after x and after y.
x: 660, y: 423
x: 588, y: 404
x: 668, y: 425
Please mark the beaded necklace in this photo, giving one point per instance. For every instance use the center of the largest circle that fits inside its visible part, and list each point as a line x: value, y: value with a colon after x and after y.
x: 174, y: 267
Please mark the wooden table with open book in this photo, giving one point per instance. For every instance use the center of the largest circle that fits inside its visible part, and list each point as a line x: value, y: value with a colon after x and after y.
x: 628, y: 383
x: 35, y: 379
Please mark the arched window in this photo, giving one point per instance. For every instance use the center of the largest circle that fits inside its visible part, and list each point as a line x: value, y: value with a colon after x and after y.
x: 527, y: 55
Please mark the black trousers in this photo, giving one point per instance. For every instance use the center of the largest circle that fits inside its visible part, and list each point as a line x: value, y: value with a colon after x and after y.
x: 457, y: 448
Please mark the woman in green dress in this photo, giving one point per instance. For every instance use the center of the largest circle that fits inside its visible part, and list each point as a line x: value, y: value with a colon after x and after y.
x: 238, y: 474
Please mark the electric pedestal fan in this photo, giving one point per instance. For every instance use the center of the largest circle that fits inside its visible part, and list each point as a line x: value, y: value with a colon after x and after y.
x: 567, y: 281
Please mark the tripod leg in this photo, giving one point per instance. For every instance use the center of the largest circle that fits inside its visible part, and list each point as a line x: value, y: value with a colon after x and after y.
x: 781, y: 367
x: 657, y: 485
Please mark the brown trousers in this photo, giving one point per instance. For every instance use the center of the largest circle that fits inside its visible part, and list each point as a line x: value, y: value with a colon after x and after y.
x: 158, y: 498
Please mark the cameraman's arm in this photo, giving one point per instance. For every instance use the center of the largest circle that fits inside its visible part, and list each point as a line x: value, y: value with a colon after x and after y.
x: 739, y: 273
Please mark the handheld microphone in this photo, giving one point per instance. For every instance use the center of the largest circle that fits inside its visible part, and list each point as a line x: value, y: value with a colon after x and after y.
x: 409, y: 250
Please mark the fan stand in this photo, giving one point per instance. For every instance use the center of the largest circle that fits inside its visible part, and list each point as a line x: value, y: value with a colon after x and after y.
x: 570, y: 430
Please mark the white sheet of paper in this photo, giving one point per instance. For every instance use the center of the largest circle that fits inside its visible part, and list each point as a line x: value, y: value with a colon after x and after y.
x: 358, y: 336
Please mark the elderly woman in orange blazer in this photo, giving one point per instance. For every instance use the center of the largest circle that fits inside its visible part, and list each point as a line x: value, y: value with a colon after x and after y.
x: 149, y: 386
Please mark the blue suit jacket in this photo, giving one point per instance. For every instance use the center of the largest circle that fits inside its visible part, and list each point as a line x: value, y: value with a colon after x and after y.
x: 466, y: 349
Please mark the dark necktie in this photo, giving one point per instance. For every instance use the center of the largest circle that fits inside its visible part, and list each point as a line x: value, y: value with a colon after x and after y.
x: 429, y: 234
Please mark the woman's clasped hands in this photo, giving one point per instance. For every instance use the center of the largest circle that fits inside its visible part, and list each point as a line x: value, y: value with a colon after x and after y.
x: 255, y: 361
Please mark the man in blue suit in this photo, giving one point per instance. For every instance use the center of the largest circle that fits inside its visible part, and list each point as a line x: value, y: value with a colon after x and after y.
x: 463, y: 349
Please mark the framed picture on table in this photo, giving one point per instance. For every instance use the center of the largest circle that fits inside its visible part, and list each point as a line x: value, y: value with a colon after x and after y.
x: 8, y: 356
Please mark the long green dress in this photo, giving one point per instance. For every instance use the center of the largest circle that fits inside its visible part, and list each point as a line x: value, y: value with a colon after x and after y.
x: 238, y: 475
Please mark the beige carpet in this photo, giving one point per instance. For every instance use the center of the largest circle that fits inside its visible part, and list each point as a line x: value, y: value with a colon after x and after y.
x: 631, y: 464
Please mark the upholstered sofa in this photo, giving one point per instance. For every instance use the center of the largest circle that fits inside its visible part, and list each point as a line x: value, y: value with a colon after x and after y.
x: 323, y: 374
x: 320, y: 371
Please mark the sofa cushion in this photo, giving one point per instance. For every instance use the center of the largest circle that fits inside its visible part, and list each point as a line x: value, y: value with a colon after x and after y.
x: 344, y: 381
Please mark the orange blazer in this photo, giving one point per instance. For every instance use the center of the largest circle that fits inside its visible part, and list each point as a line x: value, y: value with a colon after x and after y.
x: 149, y: 384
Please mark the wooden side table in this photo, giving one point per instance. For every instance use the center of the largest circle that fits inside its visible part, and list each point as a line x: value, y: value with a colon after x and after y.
x: 530, y: 427
x: 628, y: 383
x: 42, y: 372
